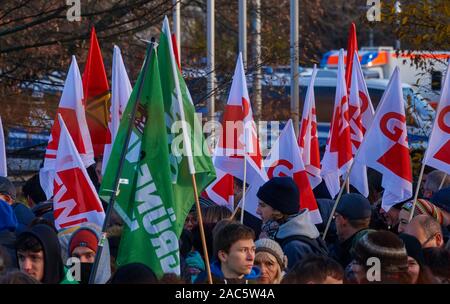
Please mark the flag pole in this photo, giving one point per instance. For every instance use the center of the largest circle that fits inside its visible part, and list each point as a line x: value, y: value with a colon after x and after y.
x: 116, y: 184
x: 443, y: 181
x: 416, y: 194
x: 341, y: 191
x: 347, y: 184
x: 235, y: 211
x: 202, y: 232
x: 243, y: 190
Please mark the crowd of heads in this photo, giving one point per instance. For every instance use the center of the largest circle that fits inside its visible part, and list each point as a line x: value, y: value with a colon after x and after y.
x: 363, y: 244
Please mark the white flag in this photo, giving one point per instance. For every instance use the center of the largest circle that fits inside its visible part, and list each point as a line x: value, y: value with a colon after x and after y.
x: 385, y: 146
x: 360, y: 115
x: 73, y: 113
x: 120, y: 93
x: 338, y: 153
x: 438, y: 152
x: 308, y: 139
x: 284, y: 160
x: 75, y: 200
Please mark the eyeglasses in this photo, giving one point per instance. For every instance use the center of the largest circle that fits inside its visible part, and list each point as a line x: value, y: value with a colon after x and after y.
x: 429, y: 239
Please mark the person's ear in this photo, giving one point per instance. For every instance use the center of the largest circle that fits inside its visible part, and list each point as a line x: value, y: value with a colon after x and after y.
x: 222, y: 255
x: 439, y: 240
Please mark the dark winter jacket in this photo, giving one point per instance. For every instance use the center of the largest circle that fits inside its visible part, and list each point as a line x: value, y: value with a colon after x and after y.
x: 8, y: 225
x: 218, y: 277
x: 308, y: 242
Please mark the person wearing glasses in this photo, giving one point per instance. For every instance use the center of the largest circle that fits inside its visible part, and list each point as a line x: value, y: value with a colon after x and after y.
x: 427, y: 230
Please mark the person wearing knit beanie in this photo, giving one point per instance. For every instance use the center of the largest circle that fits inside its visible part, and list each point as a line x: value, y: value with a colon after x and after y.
x: 271, y: 260
x: 83, y: 245
x: 284, y: 221
x: 422, y: 207
x: 382, y: 255
x: 282, y: 194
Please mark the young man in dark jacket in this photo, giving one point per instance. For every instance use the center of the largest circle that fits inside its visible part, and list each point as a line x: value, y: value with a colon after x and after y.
x: 234, y: 255
x: 39, y: 255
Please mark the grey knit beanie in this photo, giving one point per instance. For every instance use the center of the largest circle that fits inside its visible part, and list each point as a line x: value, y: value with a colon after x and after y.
x: 272, y: 247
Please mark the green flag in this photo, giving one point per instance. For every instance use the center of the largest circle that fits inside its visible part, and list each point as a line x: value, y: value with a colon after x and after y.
x: 188, y: 152
x: 145, y: 200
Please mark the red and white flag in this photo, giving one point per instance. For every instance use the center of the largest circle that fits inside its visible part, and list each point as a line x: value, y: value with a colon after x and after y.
x: 284, y: 160
x: 221, y: 190
x: 361, y: 115
x: 3, y: 167
x: 75, y: 200
x: 338, y: 153
x: 438, y: 152
x: 239, y: 136
x: 385, y: 146
x: 120, y: 93
x: 72, y: 111
x: 308, y: 139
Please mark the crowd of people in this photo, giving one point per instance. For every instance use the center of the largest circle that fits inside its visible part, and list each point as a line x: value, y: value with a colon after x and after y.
x: 364, y: 243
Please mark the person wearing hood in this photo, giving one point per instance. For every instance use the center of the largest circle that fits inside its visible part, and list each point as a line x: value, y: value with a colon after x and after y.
x: 352, y: 215
x: 83, y: 246
x: 81, y: 242
x: 23, y: 214
x: 234, y: 255
x: 39, y: 255
x: 283, y: 221
x: 8, y: 225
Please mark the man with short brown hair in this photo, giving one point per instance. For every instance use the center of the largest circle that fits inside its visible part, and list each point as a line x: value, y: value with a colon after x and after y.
x: 234, y: 255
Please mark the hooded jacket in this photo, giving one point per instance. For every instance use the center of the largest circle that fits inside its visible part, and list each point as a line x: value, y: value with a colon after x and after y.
x: 299, y: 237
x: 8, y: 225
x: 54, y: 271
x: 104, y: 267
x: 218, y: 276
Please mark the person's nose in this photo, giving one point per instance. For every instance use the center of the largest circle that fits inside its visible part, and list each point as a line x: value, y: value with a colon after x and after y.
x: 27, y: 265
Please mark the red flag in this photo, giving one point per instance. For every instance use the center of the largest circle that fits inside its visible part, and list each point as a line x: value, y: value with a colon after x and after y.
x: 438, y: 152
x: 96, y: 97
x: 352, y: 48
x: 284, y: 160
x: 308, y: 140
x: 385, y: 146
x: 71, y: 109
x: 75, y: 200
x: 338, y: 153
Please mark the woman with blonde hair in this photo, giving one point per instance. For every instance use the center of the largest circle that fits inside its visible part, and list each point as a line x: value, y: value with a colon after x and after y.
x: 271, y: 260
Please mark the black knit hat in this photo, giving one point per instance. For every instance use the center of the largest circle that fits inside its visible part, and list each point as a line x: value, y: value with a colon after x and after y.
x: 281, y: 193
x: 385, y: 246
